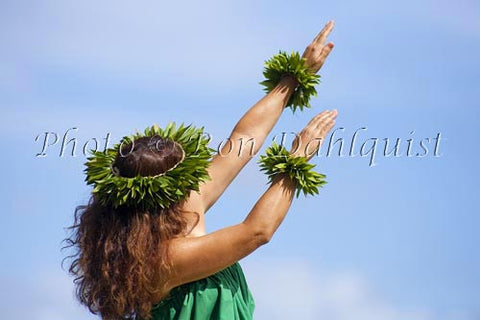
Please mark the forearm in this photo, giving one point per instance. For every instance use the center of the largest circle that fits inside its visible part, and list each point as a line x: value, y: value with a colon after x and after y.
x: 272, y: 207
x: 259, y: 120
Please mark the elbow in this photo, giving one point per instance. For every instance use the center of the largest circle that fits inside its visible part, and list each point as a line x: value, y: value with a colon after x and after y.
x: 262, y: 239
x: 260, y: 236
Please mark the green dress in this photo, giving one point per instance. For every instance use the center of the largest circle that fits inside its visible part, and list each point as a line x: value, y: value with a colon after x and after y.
x: 221, y: 296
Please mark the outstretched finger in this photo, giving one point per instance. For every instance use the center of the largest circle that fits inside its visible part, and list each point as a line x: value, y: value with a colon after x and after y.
x: 323, y: 121
x: 322, y: 36
x: 325, y: 52
x: 326, y: 129
x: 320, y: 118
x: 324, y: 29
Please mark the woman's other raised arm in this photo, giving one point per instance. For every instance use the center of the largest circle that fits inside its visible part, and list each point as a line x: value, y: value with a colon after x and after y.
x: 253, y: 127
x: 194, y: 258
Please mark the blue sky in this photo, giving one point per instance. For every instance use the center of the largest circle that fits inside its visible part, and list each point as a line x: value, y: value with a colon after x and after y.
x: 394, y: 240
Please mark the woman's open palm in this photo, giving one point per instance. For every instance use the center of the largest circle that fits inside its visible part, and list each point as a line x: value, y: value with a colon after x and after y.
x: 311, y: 138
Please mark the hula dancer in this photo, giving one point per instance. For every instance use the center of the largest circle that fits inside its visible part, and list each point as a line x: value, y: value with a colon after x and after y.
x: 141, y: 250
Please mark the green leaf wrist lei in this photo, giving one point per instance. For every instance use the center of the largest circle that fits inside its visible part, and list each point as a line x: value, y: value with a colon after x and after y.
x: 149, y: 192
x: 278, y: 160
x: 282, y: 64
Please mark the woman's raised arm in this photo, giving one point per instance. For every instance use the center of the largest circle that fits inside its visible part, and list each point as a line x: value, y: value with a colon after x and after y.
x: 194, y: 258
x: 253, y: 127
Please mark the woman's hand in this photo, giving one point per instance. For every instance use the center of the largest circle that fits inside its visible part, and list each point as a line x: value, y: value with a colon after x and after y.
x: 317, y: 52
x: 311, y: 138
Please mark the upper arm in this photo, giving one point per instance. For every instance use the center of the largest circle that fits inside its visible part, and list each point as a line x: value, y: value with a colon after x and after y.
x: 226, y: 164
x: 195, y: 258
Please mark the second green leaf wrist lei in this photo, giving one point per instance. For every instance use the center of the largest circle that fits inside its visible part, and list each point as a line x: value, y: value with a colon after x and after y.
x: 278, y: 160
x: 282, y: 64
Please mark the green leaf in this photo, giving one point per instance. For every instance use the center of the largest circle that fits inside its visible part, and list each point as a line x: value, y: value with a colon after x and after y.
x: 283, y: 63
x: 150, y: 192
x: 278, y: 160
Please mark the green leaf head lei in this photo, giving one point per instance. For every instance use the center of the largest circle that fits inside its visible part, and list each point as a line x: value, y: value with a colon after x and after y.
x: 278, y: 160
x: 151, y: 192
x: 282, y: 64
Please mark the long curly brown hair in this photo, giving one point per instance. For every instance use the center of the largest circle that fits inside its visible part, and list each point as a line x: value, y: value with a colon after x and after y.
x: 121, y: 254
